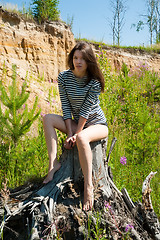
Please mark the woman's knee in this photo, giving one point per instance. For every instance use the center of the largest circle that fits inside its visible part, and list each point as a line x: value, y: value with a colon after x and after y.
x: 48, y: 119
x: 81, y: 139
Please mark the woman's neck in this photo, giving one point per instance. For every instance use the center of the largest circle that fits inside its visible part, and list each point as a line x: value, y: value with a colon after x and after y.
x: 79, y: 74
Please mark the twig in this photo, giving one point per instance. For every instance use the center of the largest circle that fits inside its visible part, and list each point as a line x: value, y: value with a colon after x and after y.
x: 110, y: 150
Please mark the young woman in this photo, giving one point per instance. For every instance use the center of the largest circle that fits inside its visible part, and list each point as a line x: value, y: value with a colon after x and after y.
x: 83, y: 120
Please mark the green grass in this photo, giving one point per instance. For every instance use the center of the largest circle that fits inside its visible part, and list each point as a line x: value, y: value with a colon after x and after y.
x: 25, y: 13
x: 131, y: 102
x: 155, y: 48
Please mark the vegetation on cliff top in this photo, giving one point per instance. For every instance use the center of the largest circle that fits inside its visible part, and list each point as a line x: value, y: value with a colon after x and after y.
x: 47, y: 10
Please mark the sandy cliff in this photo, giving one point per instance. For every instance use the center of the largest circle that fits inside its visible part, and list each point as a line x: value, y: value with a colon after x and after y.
x: 39, y: 49
x: 42, y: 49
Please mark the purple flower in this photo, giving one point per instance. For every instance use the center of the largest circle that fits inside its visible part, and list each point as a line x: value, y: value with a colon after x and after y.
x: 106, y: 204
x: 128, y: 227
x: 42, y: 114
x: 123, y: 160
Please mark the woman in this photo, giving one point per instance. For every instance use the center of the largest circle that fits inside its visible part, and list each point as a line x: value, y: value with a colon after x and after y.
x: 83, y: 120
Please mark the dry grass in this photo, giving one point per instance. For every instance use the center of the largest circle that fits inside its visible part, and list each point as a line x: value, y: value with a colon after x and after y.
x: 10, y: 7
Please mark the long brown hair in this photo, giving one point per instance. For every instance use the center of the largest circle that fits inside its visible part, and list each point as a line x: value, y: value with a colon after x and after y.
x: 93, y: 70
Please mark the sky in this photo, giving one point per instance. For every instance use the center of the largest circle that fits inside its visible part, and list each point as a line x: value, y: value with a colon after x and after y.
x: 92, y: 18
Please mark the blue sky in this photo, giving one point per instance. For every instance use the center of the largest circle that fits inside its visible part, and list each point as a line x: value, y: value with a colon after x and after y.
x: 91, y: 19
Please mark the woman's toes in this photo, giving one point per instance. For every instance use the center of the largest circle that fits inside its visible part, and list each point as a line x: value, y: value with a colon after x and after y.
x: 88, y: 198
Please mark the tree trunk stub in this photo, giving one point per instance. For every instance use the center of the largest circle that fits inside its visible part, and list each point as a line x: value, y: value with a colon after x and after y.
x: 37, y: 211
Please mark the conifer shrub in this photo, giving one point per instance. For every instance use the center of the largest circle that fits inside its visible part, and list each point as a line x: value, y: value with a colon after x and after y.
x: 45, y: 10
x: 16, y: 119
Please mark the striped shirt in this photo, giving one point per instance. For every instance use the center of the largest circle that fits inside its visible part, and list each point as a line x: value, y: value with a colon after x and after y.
x: 80, y: 98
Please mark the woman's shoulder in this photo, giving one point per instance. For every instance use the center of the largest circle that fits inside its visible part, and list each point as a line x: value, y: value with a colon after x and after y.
x: 65, y: 73
x: 65, y: 76
x: 95, y: 84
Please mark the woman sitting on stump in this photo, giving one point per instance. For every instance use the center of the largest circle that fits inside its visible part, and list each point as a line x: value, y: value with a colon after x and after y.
x: 83, y: 119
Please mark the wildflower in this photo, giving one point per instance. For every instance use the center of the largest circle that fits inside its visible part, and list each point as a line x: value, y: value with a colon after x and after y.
x: 128, y: 227
x: 123, y: 160
x: 42, y: 114
x: 107, y: 205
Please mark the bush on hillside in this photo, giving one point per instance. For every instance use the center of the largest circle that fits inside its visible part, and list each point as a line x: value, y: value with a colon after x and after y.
x: 45, y: 10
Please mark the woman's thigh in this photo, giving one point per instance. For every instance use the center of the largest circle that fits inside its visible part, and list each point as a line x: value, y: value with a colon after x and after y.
x: 58, y: 122
x: 95, y: 132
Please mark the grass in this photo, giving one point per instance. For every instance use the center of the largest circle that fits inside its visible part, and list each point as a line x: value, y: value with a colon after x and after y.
x: 10, y: 7
x: 155, y: 48
x: 131, y: 103
x: 25, y: 13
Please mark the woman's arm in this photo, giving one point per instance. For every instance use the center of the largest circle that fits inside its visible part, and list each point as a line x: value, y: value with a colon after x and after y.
x: 71, y: 139
x: 69, y: 127
x: 91, y: 99
x: 68, y: 142
x: 81, y: 124
x: 80, y: 127
x: 66, y: 107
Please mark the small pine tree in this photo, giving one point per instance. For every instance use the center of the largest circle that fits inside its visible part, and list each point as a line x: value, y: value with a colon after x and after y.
x: 45, y: 10
x: 16, y: 120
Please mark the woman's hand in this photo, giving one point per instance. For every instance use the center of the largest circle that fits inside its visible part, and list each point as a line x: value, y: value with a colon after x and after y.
x: 68, y: 144
x: 74, y: 140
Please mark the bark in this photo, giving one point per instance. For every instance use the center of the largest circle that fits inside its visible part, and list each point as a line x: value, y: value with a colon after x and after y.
x: 54, y: 211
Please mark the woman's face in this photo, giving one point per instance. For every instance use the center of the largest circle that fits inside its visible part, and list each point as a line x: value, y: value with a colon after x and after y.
x: 79, y: 63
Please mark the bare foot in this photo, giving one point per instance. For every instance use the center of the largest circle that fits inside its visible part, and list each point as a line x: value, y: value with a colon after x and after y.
x: 51, y: 173
x: 88, y: 198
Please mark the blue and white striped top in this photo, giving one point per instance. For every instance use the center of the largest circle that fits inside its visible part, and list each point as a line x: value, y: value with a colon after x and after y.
x: 80, y: 98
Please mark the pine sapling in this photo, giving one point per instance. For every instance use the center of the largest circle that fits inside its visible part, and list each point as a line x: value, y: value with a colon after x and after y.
x: 16, y: 120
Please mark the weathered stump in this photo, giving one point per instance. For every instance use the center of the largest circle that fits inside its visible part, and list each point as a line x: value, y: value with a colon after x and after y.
x: 37, y: 211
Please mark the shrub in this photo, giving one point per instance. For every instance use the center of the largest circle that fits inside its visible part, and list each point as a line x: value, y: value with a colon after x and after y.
x: 16, y: 119
x: 45, y: 10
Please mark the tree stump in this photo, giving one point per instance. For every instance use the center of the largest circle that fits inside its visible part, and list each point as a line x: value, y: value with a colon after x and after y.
x: 54, y: 211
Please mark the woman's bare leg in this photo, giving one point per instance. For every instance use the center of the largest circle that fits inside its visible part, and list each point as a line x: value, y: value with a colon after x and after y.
x: 90, y: 134
x: 50, y: 123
